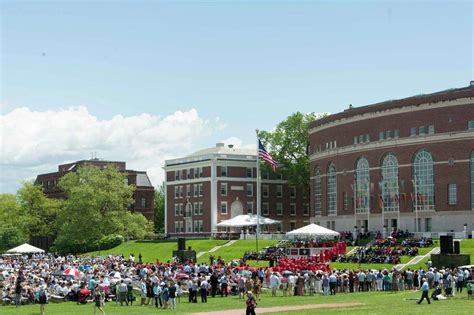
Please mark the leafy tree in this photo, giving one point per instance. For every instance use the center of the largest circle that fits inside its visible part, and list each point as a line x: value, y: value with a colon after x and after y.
x: 288, y: 144
x: 13, y: 227
x: 96, y: 207
x: 39, y: 211
x: 159, y: 219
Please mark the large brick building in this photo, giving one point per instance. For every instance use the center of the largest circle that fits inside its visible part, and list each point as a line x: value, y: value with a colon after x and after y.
x: 218, y: 183
x: 144, y: 194
x: 405, y: 163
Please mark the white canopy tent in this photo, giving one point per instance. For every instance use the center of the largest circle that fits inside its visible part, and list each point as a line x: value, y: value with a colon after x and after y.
x: 25, y: 249
x: 244, y: 220
x: 313, y: 230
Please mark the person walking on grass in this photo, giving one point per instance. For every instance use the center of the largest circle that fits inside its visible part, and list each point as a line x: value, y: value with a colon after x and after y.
x: 251, y: 304
x: 42, y: 298
x: 98, y: 301
x: 274, y: 283
x: 425, y: 290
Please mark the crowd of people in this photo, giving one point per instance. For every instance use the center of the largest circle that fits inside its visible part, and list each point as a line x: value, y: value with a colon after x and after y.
x: 116, y: 279
x: 384, y: 251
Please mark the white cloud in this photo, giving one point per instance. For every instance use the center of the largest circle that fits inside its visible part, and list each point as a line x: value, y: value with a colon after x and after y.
x: 35, y: 142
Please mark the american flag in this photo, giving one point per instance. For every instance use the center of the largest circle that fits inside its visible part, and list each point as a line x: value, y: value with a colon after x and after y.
x: 264, y: 155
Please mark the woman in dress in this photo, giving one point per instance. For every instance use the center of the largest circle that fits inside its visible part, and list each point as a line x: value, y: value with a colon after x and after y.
x: 99, y: 301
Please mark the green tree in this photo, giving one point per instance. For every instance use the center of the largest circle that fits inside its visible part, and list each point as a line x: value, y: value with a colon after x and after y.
x: 39, y: 211
x: 96, y: 207
x: 159, y: 219
x: 13, y: 227
x: 288, y: 144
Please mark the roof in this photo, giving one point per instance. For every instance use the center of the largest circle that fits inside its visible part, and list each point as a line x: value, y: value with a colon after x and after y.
x: 143, y: 180
x: 314, y: 230
x: 25, y: 249
x: 223, y: 150
x: 246, y: 220
x: 416, y: 100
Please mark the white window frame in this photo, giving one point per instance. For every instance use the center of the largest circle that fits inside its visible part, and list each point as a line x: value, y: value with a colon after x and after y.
x: 224, y: 203
x: 265, y: 208
x: 279, y: 191
x: 293, y: 209
x: 249, y: 192
x: 250, y: 207
x: 452, y: 194
x: 224, y: 189
x: 265, y: 191
x: 292, y: 192
x: 279, y: 208
x: 223, y: 171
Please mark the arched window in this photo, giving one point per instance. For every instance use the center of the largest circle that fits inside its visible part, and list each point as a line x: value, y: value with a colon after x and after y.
x: 317, y: 191
x: 423, y: 181
x: 331, y: 190
x: 389, y: 187
x: 362, y: 186
x: 472, y: 180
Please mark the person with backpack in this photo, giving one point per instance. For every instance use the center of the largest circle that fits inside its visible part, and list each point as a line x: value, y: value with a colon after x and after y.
x: 42, y: 298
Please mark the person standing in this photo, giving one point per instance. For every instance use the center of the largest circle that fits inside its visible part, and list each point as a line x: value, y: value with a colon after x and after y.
x: 424, y: 289
x: 157, y: 293
x: 142, y: 292
x: 224, y: 285
x: 42, y: 298
x: 251, y: 304
x: 332, y: 283
x: 18, y: 290
x: 122, y: 289
x: 172, y: 295
x: 214, y: 283
x: 130, y: 297
x: 274, y: 283
x: 204, y: 286
x: 98, y: 302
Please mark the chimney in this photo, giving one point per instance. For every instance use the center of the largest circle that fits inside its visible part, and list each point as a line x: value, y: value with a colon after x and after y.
x: 219, y: 144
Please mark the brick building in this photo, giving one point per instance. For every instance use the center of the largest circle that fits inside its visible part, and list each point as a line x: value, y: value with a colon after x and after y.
x: 144, y: 194
x: 405, y: 163
x: 218, y: 183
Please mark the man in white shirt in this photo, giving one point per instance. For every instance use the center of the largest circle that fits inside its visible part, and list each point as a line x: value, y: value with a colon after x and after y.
x: 274, y: 283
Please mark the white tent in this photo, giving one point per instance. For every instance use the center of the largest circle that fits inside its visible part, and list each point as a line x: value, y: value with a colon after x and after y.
x: 25, y: 249
x: 246, y: 220
x: 313, y: 230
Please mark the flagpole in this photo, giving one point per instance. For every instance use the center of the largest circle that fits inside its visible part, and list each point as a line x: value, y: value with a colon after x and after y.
x: 258, y: 193
x: 416, y: 207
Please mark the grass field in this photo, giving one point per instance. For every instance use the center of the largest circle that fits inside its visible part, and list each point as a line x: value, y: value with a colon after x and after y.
x: 162, y: 250
x: 373, y: 303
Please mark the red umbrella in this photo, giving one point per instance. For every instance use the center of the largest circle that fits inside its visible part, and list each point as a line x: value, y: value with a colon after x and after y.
x: 182, y: 276
x: 72, y: 272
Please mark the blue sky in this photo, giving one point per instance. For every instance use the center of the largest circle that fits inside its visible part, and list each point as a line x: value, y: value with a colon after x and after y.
x: 250, y: 64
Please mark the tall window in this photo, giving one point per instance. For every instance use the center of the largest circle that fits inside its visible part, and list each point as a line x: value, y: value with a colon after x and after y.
x: 317, y: 191
x: 223, y: 171
x: 279, y: 208
x: 331, y: 190
x: 390, y: 189
x: 279, y: 191
x: 265, y: 191
x: 249, y: 190
x: 423, y: 179
x: 452, y: 194
x: 362, y: 186
x: 223, y: 189
x: 472, y: 180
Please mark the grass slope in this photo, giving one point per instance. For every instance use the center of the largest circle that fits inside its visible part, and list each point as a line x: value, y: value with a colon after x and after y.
x: 162, y: 250
x: 373, y: 303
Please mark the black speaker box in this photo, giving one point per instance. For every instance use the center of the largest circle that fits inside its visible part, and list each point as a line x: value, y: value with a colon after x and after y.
x: 457, y: 247
x: 181, y: 243
x: 446, y: 242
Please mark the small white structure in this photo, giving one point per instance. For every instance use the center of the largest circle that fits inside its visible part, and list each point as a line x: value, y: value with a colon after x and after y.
x: 25, y: 249
x: 313, y: 230
x: 245, y: 220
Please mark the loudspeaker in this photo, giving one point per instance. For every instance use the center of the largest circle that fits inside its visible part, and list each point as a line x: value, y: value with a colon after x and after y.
x: 446, y: 242
x: 181, y: 243
x: 457, y: 247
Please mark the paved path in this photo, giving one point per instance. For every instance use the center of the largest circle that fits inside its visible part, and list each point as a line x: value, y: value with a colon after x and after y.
x: 274, y: 309
x: 216, y: 248
x: 418, y: 258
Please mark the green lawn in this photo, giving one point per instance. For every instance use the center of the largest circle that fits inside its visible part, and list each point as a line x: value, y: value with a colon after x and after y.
x: 162, y: 250
x: 373, y: 303
x: 237, y: 250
